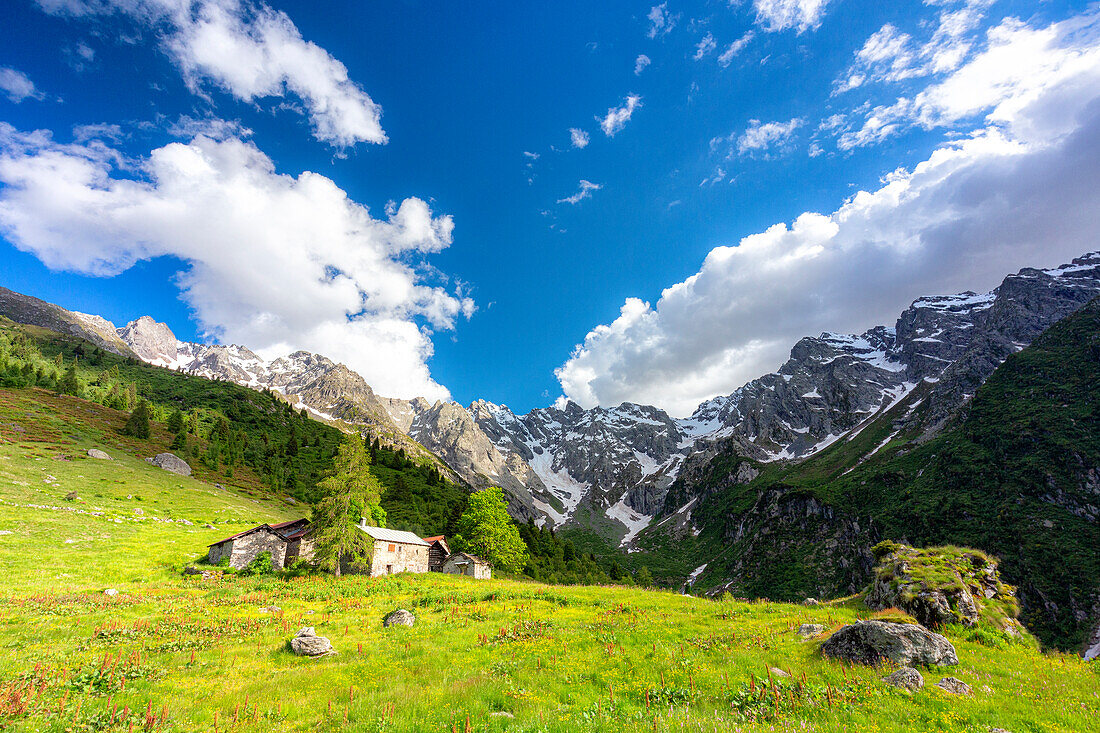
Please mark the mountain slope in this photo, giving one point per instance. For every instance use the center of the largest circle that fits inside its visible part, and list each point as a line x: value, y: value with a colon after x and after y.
x: 1017, y: 474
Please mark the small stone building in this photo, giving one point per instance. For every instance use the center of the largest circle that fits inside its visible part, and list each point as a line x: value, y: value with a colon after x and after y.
x: 463, y: 563
x: 394, y: 551
x: 285, y: 541
x: 437, y: 553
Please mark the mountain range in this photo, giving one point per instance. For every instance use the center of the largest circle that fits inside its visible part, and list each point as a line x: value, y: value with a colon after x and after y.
x: 611, y: 467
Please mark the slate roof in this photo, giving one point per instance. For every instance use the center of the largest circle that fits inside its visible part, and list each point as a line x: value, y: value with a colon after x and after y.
x: 273, y: 527
x: 472, y: 558
x: 393, y: 535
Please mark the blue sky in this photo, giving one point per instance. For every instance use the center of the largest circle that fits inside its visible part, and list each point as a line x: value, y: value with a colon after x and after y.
x: 518, y: 244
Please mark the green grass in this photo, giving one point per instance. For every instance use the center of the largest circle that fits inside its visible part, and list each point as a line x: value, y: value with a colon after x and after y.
x: 208, y: 654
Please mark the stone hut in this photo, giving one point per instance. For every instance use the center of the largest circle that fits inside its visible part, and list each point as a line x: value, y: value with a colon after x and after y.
x: 463, y: 563
x: 437, y: 553
x: 285, y: 541
x: 394, y: 551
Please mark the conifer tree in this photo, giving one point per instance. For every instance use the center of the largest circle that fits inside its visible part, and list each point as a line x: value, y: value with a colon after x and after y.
x: 351, y: 491
x: 138, y: 424
x: 70, y: 383
x: 175, y: 422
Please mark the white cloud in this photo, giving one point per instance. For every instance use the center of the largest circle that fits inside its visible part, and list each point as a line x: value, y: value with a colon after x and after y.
x: 661, y: 22
x: 1024, y: 192
x: 17, y: 86
x: 1016, y: 65
x: 779, y: 15
x: 762, y: 136
x: 250, y: 51
x: 704, y: 47
x: 617, y: 117
x: 726, y: 57
x: 889, y: 55
x: 718, y: 176
x: 272, y: 261
x: 578, y: 137
x: 640, y: 63
x: 187, y: 127
x: 584, y: 191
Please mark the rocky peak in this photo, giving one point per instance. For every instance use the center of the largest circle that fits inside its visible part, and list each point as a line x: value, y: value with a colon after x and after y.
x: 151, y: 340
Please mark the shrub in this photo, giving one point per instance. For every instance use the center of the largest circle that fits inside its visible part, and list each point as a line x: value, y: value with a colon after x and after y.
x: 260, y: 565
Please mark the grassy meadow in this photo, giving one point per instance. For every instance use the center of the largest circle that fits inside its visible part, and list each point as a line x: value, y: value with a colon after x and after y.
x: 186, y: 653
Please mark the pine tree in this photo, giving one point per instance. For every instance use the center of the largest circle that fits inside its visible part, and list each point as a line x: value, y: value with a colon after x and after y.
x: 350, y: 492
x: 175, y: 422
x: 70, y: 383
x: 138, y: 424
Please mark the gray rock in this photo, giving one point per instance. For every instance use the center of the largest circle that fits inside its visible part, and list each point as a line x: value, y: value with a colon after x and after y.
x: 111, y: 592
x: 954, y: 686
x: 139, y: 511
x: 307, y: 644
x: 149, y: 339
x: 807, y: 631
x: 811, y: 602
x: 208, y: 526
x: 171, y: 463
x: 97, y: 453
x: 501, y: 714
x: 905, y: 678
x: 777, y: 672
x: 271, y: 609
x: 400, y: 617
x: 869, y: 642
x: 192, y: 570
x: 71, y: 496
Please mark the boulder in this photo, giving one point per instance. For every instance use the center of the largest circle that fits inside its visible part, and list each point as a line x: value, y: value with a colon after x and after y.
x: 954, y: 686
x: 906, y: 678
x: 811, y: 602
x: 111, y: 592
x: 97, y: 453
x: 777, y: 672
x: 400, y: 617
x: 807, y: 631
x: 307, y: 644
x: 869, y: 642
x: 171, y: 463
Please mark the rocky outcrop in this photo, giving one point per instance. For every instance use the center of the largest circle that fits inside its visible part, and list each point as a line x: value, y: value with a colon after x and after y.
x: 871, y: 642
x: 171, y: 463
x: 98, y: 454
x: 940, y: 586
x: 783, y: 523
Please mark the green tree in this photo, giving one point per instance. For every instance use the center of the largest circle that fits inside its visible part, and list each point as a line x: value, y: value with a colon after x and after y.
x: 138, y: 424
x: 486, y: 530
x: 644, y: 577
x: 70, y: 383
x: 351, y: 491
x: 175, y: 422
